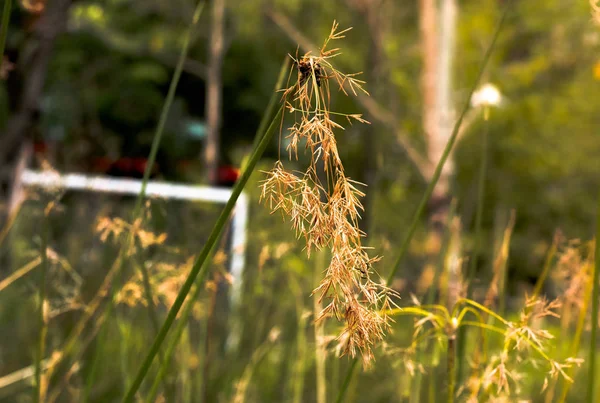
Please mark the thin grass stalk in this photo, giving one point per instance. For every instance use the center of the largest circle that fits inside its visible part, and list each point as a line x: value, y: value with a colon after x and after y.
x: 436, y: 176
x: 42, y: 324
x: 9, y: 223
x: 167, y: 107
x: 453, y: 239
x: 179, y: 331
x: 169, y: 390
x: 184, y: 375
x: 298, y: 367
x: 124, y: 349
x: 415, y: 393
x: 447, y: 150
x: 271, y: 108
x: 480, y: 204
x: 199, y: 269
x: 503, y: 271
x: 595, y: 302
x: 159, y: 133
x: 242, y: 385
x: 210, y: 325
x: 462, y: 332
x: 17, y: 274
x: 84, y: 343
x: 173, y: 342
x: 4, y: 30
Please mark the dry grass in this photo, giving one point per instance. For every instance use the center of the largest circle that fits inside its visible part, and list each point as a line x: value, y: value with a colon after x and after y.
x: 323, y: 204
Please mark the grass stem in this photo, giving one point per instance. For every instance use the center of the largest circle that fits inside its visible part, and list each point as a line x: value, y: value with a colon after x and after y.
x: 42, y: 320
x: 462, y: 333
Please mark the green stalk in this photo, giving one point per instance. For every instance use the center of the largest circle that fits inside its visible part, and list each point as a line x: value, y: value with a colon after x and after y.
x: 162, y: 371
x: 166, y: 107
x: 260, y: 133
x: 96, y: 358
x: 298, y: 367
x: 451, y: 368
x: 480, y: 204
x: 153, y: 317
x: 445, y: 154
x: 4, y: 29
x: 158, y: 136
x: 436, y: 176
x: 43, y: 326
x: 462, y: 332
x: 595, y: 301
x: 319, y: 331
x: 199, y: 269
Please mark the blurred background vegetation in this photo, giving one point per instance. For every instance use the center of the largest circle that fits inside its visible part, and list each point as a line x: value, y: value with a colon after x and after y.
x: 84, y: 83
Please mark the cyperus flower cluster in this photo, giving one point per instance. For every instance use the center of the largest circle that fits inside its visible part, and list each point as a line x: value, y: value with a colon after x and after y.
x: 323, y: 204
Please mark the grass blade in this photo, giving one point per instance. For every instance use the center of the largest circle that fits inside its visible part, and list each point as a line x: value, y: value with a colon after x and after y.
x: 4, y: 30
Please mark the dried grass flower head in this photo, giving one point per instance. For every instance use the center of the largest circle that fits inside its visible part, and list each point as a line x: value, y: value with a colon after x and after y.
x: 323, y: 204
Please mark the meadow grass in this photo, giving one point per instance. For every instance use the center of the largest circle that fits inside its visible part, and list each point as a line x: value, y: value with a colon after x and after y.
x: 518, y: 352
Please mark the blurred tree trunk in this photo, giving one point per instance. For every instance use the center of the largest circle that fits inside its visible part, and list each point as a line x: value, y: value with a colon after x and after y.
x: 214, y: 90
x: 443, y: 111
x: 438, y: 117
x: 48, y: 27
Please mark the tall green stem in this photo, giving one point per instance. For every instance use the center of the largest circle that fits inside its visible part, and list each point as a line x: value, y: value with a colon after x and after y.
x: 480, y: 204
x: 107, y: 287
x: 167, y: 107
x: 462, y: 332
x: 199, y: 263
x: 43, y: 326
x: 260, y: 133
x: 436, y: 176
x: 451, y: 368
